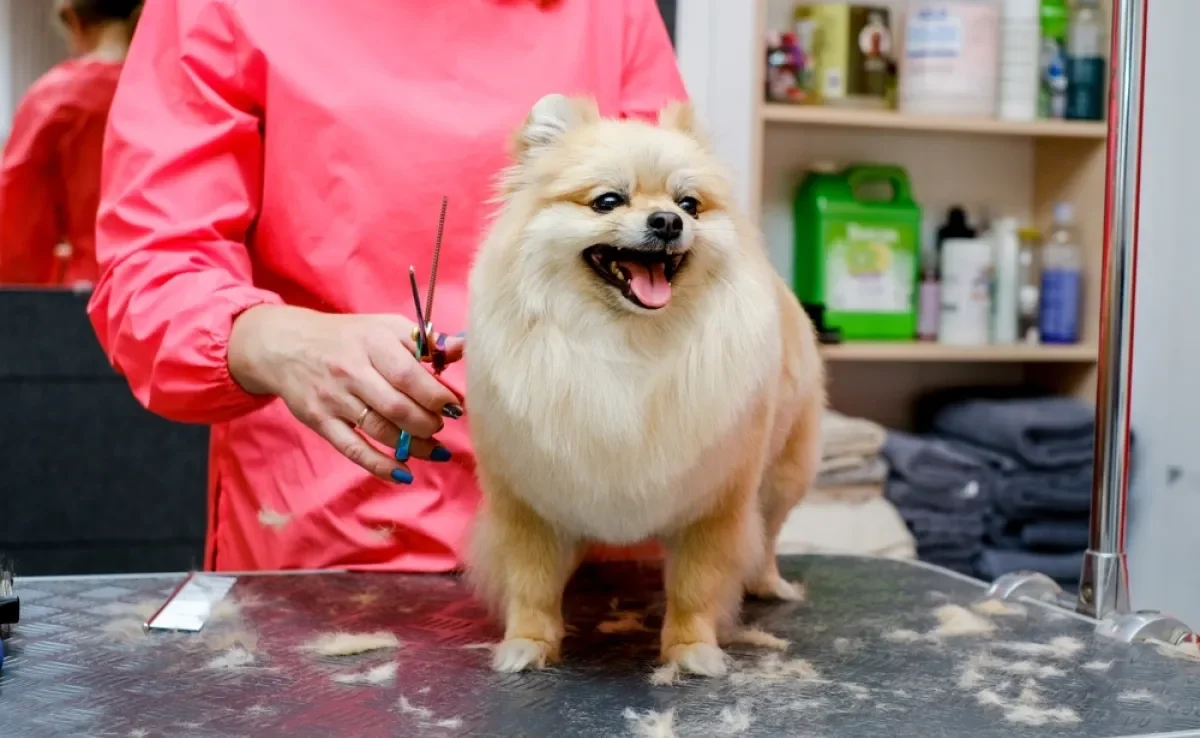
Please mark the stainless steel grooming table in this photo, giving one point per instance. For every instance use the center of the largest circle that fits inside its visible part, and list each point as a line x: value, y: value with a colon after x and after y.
x: 71, y: 673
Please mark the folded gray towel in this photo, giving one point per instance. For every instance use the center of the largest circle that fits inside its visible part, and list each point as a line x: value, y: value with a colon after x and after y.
x: 1044, y: 432
x: 944, y: 532
x: 968, y: 497
x: 1049, y: 534
x: 1035, y: 495
x: 1055, y: 535
x: 931, y: 463
x: 998, y: 462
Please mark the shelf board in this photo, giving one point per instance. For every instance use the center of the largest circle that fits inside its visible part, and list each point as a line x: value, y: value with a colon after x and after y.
x: 905, y: 352
x: 854, y: 118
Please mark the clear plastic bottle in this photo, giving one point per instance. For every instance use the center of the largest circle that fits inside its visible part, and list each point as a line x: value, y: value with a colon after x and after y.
x: 1028, y: 277
x: 1062, y: 280
x: 1085, y: 62
x: 1006, y: 267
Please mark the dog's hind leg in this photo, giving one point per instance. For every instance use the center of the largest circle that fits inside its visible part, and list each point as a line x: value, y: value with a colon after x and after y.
x: 522, y: 566
x: 784, y: 485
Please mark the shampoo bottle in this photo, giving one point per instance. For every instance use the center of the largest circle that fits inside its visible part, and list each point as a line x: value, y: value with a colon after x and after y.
x: 1062, y: 280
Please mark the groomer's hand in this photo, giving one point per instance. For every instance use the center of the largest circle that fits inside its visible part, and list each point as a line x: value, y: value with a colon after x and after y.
x: 346, y: 374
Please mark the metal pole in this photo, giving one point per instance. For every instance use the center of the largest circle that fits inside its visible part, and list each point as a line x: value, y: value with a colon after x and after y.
x: 1104, y: 583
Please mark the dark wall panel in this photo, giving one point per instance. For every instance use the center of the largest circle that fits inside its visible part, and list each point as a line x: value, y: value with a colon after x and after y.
x: 89, y: 481
x: 667, y: 7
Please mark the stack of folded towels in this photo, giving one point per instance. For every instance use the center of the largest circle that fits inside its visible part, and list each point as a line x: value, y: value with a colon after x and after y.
x: 942, y: 493
x: 845, y: 512
x: 1040, y: 451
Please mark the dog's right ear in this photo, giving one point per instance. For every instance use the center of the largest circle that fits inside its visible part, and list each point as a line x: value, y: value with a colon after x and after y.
x: 550, y: 118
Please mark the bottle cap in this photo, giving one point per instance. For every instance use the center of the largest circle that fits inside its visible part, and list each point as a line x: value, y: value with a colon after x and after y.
x: 956, y: 225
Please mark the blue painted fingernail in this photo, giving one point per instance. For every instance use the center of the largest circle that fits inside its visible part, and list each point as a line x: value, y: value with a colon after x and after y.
x: 401, y: 476
x: 439, y: 453
x: 441, y: 341
x: 402, y: 448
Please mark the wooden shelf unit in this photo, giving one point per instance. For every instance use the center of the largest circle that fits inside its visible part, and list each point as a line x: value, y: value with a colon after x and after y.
x: 817, y: 115
x: 1006, y: 168
x: 900, y: 352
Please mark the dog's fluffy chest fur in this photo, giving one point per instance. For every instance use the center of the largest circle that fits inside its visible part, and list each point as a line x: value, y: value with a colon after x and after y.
x: 619, y: 441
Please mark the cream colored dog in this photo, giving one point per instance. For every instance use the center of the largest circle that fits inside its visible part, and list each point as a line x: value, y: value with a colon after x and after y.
x: 636, y: 370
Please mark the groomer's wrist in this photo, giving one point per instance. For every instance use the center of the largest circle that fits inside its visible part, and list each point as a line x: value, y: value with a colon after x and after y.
x: 249, y: 345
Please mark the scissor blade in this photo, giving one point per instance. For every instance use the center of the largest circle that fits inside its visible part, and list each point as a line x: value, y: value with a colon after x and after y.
x: 433, y: 269
x: 421, y: 327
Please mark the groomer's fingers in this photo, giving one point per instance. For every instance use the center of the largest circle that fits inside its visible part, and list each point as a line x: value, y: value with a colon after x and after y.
x: 380, y: 429
x: 395, y: 406
x: 453, y: 346
x: 406, y: 374
x: 402, y: 327
x: 355, y: 447
x: 429, y: 448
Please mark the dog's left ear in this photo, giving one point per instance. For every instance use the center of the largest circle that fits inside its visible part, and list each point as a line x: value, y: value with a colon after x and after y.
x: 681, y: 116
x: 550, y: 118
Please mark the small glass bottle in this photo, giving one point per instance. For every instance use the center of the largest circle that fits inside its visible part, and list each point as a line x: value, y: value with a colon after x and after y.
x: 929, y: 300
x: 1028, y: 289
x: 1085, y: 62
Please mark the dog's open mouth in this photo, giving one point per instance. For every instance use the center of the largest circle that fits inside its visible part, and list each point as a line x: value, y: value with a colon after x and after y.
x: 643, y: 277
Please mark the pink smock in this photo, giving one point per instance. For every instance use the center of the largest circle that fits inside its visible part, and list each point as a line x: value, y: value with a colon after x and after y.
x: 274, y: 151
x: 50, y: 176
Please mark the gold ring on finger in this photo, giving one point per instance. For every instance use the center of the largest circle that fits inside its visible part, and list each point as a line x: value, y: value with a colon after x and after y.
x: 362, y: 417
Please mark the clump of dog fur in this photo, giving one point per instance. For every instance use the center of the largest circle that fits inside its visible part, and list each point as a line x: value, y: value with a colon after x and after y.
x: 611, y: 406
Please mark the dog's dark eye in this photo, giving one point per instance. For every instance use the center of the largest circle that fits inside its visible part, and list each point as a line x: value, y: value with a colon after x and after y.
x: 689, y: 205
x: 607, y: 202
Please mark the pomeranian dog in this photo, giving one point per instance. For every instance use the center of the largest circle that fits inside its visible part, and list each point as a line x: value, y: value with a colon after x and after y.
x: 637, y: 370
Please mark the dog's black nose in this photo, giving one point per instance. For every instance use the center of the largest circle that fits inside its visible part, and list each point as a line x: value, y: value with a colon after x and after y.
x: 665, y: 225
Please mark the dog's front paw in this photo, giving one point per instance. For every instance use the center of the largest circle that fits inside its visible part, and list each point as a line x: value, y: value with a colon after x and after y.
x: 521, y: 654
x: 703, y: 659
x: 777, y: 588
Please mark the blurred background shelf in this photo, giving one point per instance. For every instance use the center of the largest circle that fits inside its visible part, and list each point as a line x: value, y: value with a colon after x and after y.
x: 933, y: 352
x: 850, y: 118
x: 987, y: 166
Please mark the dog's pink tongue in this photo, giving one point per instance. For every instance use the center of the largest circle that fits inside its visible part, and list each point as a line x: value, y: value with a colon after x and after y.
x: 648, y: 283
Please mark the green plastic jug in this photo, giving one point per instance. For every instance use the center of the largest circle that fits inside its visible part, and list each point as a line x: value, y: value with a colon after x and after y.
x: 858, y: 247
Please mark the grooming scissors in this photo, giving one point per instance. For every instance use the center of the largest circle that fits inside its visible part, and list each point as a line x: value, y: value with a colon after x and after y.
x: 427, y: 348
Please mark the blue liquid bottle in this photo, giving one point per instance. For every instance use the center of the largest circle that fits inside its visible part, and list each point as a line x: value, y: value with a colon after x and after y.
x: 1062, y: 280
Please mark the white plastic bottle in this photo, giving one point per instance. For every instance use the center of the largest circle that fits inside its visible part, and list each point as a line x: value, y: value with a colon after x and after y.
x: 1062, y: 280
x: 1020, y: 39
x: 966, y: 292
x: 1006, y: 258
x: 950, y: 58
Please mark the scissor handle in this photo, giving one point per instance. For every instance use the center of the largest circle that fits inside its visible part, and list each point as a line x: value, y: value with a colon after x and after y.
x: 428, y: 353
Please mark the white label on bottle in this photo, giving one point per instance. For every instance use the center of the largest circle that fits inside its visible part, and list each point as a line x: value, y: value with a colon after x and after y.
x: 934, y: 32
x: 966, y: 292
x: 951, y: 59
x: 833, y: 83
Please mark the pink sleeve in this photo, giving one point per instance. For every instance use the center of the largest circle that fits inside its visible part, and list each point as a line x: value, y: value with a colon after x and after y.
x: 180, y: 190
x: 650, y: 77
x: 28, y: 221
